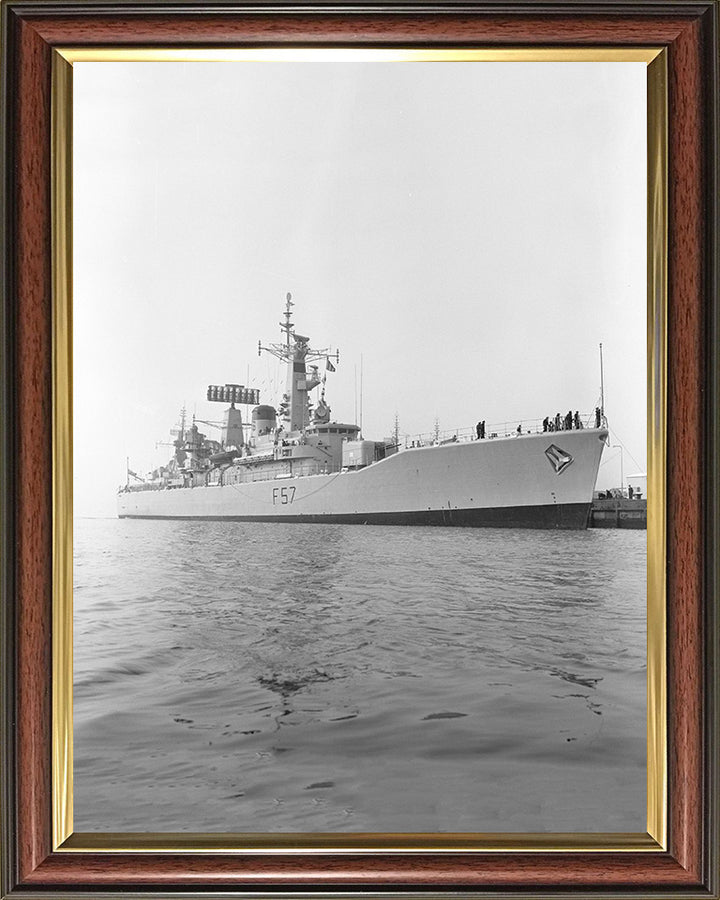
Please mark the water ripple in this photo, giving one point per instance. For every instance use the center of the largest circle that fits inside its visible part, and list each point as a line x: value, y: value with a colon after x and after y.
x: 270, y: 677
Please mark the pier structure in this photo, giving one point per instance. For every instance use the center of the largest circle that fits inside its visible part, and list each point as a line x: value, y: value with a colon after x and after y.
x: 617, y: 512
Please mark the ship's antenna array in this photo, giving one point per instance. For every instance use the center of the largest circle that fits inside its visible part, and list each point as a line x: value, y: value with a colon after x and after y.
x: 361, y: 390
x: 285, y: 352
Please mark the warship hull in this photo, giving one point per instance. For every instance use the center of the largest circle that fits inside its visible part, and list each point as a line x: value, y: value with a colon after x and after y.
x: 542, y: 480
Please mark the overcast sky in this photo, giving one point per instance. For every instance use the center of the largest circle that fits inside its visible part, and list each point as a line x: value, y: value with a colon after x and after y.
x: 472, y: 230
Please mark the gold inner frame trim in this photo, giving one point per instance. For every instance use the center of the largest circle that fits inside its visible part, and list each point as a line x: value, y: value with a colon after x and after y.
x: 365, y: 54
x: 62, y: 484
x: 356, y: 843
x: 657, y: 255
x: 62, y: 675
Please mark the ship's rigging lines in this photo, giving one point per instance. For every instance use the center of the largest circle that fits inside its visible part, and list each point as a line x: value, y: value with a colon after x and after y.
x: 281, y: 352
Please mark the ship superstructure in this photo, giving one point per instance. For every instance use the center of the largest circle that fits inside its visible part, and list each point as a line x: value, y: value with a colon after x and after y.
x: 296, y: 463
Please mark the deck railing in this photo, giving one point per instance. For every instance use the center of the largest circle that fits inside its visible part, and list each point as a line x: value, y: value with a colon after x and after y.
x: 492, y: 430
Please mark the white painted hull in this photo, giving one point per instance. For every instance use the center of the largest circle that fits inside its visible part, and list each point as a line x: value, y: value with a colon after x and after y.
x: 496, y: 482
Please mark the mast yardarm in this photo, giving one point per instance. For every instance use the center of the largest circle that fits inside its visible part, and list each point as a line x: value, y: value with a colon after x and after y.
x: 296, y: 353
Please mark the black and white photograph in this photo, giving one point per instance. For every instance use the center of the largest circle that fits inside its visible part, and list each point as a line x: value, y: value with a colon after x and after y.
x: 360, y: 388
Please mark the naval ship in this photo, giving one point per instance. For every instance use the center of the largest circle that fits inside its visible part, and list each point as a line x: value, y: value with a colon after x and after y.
x: 296, y: 463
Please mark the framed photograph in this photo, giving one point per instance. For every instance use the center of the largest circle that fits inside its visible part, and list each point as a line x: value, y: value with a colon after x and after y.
x: 360, y: 420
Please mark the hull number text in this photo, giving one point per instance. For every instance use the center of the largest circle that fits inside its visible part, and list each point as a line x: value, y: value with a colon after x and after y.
x: 283, y: 495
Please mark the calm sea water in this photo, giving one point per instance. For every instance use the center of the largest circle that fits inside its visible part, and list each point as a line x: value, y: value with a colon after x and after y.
x: 276, y: 677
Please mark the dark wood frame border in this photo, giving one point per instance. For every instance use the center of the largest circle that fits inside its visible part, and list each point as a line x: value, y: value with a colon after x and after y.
x: 689, y: 30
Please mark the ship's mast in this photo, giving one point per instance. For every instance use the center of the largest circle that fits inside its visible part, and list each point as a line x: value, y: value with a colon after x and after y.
x: 296, y: 353
x: 287, y: 325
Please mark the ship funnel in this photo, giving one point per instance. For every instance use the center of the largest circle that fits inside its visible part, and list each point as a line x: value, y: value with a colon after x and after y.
x: 264, y: 420
x: 232, y: 430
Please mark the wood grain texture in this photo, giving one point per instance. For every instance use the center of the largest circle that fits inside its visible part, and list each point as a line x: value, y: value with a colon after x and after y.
x: 687, y: 371
x: 407, y: 29
x: 540, y: 871
x: 33, y: 510
x: 684, y: 35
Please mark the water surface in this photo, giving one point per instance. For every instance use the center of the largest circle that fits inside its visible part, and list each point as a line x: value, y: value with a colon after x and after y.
x: 276, y: 677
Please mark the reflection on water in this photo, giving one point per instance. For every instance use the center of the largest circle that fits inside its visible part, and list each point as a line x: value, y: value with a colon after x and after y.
x: 275, y: 677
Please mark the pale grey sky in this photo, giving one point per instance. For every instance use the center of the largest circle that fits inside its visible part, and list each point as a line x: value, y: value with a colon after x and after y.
x: 473, y: 230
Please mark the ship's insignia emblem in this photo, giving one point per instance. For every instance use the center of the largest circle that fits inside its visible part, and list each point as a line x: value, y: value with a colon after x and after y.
x: 559, y: 459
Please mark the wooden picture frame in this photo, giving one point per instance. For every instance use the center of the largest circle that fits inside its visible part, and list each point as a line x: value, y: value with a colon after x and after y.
x: 32, y: 866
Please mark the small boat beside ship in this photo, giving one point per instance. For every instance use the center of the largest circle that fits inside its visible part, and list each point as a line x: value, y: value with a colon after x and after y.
x: 296, y: 463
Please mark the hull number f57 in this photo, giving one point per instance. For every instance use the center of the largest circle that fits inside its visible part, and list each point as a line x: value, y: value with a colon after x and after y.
x: 283, y: 495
